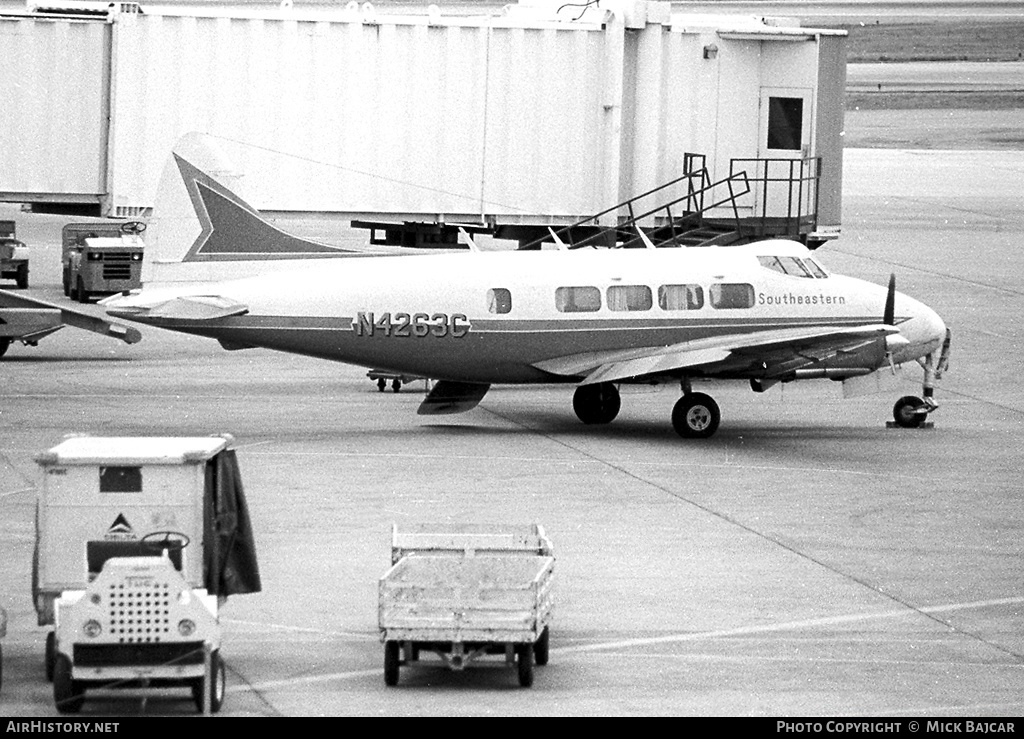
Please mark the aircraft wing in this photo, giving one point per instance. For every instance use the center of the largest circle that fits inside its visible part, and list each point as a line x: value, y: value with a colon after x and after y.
x: 186, y: 308
x: 771, y: 353
x: 29, y: 319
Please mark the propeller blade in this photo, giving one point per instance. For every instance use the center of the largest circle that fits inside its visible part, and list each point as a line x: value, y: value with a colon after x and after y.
x: 889, y: 317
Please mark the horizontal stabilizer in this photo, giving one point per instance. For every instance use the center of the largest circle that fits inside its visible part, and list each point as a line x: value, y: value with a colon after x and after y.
x: 452, y: 397
x: 37, y: 318
x: 188, y: 308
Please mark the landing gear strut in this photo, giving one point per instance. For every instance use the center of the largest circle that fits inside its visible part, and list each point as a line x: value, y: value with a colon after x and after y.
x: 695, y: 415
x: 910, y: 412
x: 598, y: 403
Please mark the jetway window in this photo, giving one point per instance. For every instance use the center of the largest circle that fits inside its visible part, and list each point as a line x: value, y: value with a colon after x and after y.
x: 732, y: 295
x: 499, y: 300
x: 629, y: 297
x: 785, y: 123
x: 681, y: 297
x: 577, y: 299
x: 120, y: 479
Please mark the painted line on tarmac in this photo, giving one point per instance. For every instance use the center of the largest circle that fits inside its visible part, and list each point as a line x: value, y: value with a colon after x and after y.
x: 362, y: 635
x: 675, y: 638
x: 787, y: 626
x: 304, y: 680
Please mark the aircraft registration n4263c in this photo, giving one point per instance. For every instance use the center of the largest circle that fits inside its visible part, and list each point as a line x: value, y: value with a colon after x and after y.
x: 762, y: 313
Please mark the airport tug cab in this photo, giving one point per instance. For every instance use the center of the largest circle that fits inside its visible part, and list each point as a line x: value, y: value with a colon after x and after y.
x: 139, y: 541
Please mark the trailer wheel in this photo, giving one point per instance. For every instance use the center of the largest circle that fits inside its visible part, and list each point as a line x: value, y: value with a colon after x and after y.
x: 51, y: 654
x: 524, y: 654
x: 391, y: 660
x: 217, y: 685
x: 540, y: 649
x: 68, y: 694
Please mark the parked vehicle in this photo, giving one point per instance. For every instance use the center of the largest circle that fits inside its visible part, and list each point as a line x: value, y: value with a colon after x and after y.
x: 139, y: 541
x: 13, y: 255
x: 461, y: 593
x: 101, y: 258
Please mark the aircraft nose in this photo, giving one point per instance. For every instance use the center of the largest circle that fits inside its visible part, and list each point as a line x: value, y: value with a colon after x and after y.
x: 924, y: 330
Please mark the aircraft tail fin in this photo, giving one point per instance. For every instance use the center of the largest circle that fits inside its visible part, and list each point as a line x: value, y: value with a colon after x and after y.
x: 202, y: 230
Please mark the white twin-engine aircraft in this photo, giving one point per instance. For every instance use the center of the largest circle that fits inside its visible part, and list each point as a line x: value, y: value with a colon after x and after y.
x: 764, y: 313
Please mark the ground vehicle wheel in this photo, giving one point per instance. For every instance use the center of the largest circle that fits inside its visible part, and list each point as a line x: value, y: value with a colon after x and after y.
x: 540, y: 649
x: 68, y: 694
x: 396, y: 385
x: 598, y: 403
x: 904, y: 412
x: 66, y: 281
x: 22, y: 278
x: 81, y: 294
x: 381, y: 384
x: 696, y: 416
x: 391, y: 650
x: 217, y: 685
x: 524, y: 661
x: 51, y: 654
x: 4, y: 343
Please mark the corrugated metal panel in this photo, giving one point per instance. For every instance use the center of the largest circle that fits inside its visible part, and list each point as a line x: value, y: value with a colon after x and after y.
x: 53, y: 73
x: 391, y: 117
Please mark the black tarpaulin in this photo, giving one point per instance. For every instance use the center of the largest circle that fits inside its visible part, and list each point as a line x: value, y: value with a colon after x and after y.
x: 229, y: 557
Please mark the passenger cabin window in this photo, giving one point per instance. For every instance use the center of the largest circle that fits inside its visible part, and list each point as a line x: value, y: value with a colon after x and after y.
x: 499, y: 300
x: 629, y: 297
x: 120, y: 479
x: 681, y: 297
x: 577, y: 299
x: 785, y: 123
x: 728, y: 295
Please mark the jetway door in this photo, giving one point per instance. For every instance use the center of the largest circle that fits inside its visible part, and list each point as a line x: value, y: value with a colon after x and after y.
x: 784, y: 141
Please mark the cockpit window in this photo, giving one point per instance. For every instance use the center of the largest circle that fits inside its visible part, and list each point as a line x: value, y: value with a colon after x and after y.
x: 816, y: 268
x: 793, y: 266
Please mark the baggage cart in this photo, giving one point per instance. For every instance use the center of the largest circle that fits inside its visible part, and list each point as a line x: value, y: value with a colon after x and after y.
x: 459, y: 593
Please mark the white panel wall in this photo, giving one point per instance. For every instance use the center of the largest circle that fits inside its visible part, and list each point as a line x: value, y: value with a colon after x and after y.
x: 390, y: 117
x: 53, y: 106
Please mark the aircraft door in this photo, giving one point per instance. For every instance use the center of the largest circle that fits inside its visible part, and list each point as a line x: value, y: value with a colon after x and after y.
x: 785, y: 177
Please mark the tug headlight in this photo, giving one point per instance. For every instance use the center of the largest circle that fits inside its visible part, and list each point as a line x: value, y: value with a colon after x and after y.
x: 92, y: 628
x: 186, y: 627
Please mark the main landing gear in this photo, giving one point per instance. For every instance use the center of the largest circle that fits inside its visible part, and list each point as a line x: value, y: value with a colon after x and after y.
x: 695, y: 415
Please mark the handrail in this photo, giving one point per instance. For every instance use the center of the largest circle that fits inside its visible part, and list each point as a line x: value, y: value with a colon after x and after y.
x: 691, y: 197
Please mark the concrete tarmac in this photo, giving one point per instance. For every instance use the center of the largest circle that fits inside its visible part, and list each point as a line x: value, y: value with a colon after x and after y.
x: 805, y: 561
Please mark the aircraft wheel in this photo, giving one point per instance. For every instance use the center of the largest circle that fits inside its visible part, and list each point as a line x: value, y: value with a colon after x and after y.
x: 217, y: 687
x: 696, y: 416
x: 4, y: 344
x: 51, y: 655
x: 597, y: 403
x: 541, y: 649
x: 904, y: 412
x: 391, y: 660
x: 524, y: 661
x: 68, y: 694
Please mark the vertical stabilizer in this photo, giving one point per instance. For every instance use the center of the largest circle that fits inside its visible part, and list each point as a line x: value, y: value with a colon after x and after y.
x: 201, y: 230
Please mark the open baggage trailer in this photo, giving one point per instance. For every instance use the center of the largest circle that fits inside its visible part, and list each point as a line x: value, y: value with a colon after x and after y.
x: 139, y: 541
x: 461, y: 592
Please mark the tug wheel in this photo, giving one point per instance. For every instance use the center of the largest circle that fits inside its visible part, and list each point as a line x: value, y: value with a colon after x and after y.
x: 68, y: 694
